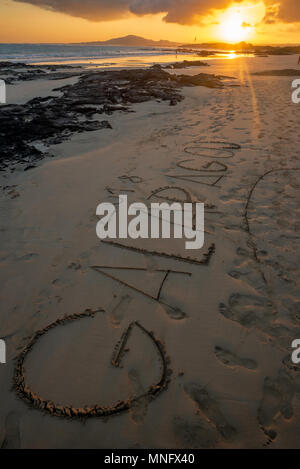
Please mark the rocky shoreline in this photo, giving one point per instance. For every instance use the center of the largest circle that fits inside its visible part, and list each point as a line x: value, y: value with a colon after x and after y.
x: 288, y: 72
x: 17, y: 72
x: 53, y: 119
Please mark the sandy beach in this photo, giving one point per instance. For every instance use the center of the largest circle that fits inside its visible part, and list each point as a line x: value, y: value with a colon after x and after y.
x: 198, y: 349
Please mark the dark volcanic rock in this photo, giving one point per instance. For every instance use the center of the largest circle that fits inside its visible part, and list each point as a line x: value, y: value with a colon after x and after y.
x: 15, y: 72
x: 186, y: 64
x: 134, y: 86
x: 123, y: 87
x: 54, y: 119
x: 47, y: 121
x: 289, y: 72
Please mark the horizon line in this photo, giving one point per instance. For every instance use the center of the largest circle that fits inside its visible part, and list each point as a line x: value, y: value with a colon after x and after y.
x: 161, y: 40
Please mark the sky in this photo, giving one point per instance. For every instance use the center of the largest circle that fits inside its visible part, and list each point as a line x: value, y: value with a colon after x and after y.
x: 56, y: 21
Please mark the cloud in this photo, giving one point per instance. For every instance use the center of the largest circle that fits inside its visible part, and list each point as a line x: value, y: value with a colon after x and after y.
x: 289, y: 11
x: 176, y: 11
x: 246, y: 25
x: 92, y: 10
x: 179, y: 11
x: 286, y: 11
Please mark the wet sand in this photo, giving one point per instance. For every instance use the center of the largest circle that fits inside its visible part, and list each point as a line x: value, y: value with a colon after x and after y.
x: 226, y: 325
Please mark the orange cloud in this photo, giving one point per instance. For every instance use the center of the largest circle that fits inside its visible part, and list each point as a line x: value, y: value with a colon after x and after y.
x: 176, y: 11
x: 286, y: 11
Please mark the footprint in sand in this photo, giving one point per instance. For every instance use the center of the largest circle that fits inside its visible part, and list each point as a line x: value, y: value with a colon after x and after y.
x: 248, y: 310
x: 232, y: 360
x: 209, y: 407
x: 276, y: 403
x: 271, y: 216
x: 258, y: 312
x: 193, y: 435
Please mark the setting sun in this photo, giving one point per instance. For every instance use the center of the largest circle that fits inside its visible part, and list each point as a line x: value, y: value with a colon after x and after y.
x: 239, y: 23
x: 234, y: 28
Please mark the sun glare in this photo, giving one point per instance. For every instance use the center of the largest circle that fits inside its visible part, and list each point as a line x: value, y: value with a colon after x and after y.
x: 238, y: 23
x: 234, y: 27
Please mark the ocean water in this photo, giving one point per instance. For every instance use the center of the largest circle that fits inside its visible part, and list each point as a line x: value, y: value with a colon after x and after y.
x: 97, y: 55
x: 77, y: 53
x: 103, y: 57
